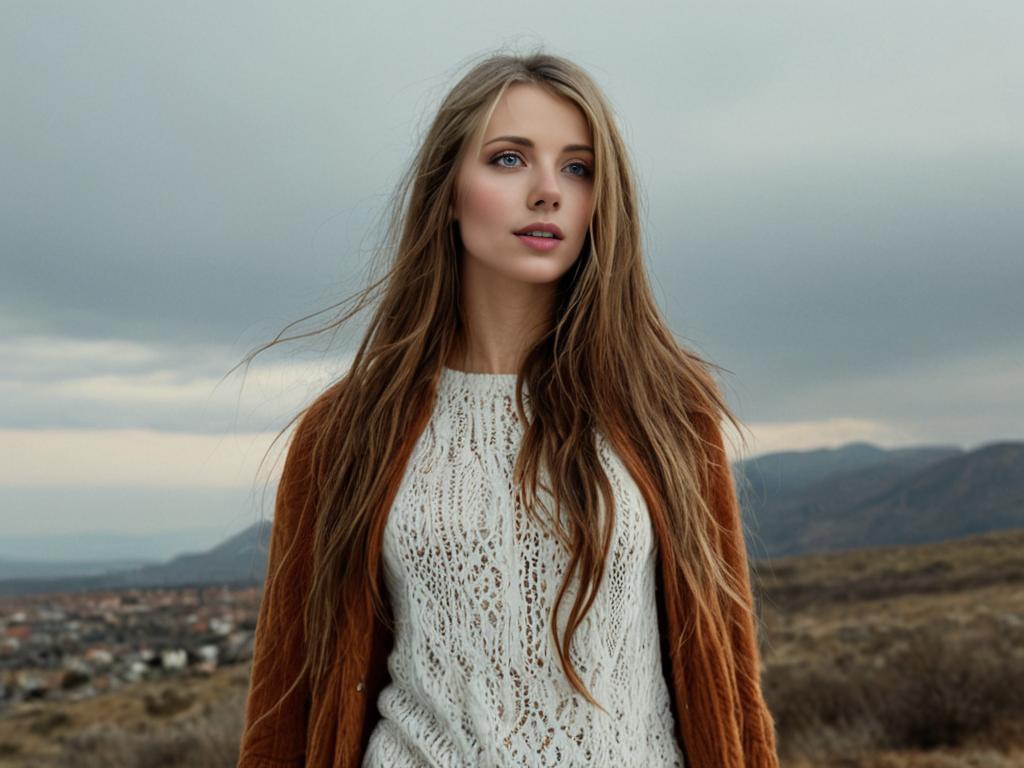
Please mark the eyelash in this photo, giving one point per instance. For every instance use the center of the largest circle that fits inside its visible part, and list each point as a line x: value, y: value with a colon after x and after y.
x: 508, y: 153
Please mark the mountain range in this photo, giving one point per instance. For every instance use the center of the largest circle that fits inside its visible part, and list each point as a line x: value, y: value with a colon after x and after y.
x: 796, y: 502
x: 861, y: 496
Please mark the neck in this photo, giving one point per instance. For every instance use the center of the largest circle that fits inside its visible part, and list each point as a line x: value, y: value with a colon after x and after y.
x: 502, y: 319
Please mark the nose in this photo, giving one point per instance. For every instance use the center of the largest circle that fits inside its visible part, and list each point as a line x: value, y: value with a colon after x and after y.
x: 546, y: 194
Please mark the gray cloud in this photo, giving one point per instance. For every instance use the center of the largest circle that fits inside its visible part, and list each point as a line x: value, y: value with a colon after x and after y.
x: 831, y: 194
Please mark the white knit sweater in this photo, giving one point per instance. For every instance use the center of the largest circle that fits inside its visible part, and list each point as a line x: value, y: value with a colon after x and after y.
x: 475, y: 677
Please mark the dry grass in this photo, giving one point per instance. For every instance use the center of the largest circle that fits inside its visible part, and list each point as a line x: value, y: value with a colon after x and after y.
x: 922, y: 673
x: 937, y: 692
x: 194, y: 722
x: 209, y: 741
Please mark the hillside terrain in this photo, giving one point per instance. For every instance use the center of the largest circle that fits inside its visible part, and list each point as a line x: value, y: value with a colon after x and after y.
x: 899, y: 657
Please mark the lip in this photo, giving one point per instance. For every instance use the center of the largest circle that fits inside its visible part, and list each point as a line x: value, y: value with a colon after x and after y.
x: 541, y: 226
x: 540, y: 243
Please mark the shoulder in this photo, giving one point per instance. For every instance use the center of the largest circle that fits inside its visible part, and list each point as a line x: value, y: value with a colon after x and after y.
x: 312, y: 421
x: 298, y: 481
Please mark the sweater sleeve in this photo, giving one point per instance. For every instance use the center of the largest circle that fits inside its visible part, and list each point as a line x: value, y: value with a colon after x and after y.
x: 278, y: 704
x: 757, y: 724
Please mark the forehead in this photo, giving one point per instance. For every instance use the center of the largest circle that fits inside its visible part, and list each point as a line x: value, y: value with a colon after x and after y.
x: 531, y: 111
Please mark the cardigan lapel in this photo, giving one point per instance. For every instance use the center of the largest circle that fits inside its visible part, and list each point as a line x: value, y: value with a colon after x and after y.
x: 366, y: 640
x: 363, y: 650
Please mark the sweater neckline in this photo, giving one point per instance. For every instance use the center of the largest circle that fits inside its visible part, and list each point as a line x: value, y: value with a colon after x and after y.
x: 478, y: 383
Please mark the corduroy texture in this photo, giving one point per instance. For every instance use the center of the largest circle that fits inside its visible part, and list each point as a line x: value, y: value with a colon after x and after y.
x: 714, y: 677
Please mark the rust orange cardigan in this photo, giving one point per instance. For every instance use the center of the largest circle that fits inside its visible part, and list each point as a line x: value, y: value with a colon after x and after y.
x: 721, y: 717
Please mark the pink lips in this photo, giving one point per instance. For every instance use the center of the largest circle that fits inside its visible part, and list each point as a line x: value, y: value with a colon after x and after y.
x: 540, y: 243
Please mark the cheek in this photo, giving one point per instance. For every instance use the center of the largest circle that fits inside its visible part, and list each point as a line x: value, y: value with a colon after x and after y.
x: 584, y: 203
x: 580, y: 217
x: 485, y: 201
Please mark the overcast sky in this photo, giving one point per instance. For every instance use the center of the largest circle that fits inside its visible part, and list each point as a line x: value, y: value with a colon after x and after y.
x: 832, y: 197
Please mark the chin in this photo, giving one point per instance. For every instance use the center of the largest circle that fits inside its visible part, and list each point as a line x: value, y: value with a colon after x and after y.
x: 540, y: 272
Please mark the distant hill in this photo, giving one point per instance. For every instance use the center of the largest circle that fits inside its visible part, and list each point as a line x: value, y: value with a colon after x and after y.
x: 46, y: 569
x: 856, y: 496
x: 872, y: 498
x: 92, y: 553
x: 103, y: 546
x: 240, y: 559
x: 789, y: 472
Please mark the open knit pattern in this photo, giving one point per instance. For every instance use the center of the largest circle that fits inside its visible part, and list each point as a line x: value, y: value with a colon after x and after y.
x: 475, y: 676
x: 712, y: 677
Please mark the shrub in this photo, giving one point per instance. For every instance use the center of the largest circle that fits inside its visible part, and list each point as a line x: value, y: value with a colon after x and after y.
x: 168, y: 702
x: 210, y: 741
x: 47, y: 722
x: 941, y: 690
x: 821, y: 711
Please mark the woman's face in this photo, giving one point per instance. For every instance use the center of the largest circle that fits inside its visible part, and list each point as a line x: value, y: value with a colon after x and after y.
x: 533, y: 164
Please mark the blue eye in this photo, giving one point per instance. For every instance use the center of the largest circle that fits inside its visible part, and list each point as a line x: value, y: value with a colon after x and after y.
x: 583, y: 173
x: 495, y: 160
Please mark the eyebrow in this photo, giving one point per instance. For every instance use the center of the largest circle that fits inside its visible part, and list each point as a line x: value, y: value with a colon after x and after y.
x: 524, y: 142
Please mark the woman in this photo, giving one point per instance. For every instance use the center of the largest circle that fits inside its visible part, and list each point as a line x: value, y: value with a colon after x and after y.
x: 508, y: 534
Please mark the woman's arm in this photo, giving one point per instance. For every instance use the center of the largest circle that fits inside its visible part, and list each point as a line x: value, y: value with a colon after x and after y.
x: 278, y: 704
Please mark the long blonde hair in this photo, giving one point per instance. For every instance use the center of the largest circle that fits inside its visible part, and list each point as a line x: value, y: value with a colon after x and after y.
x: 609, y: 362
